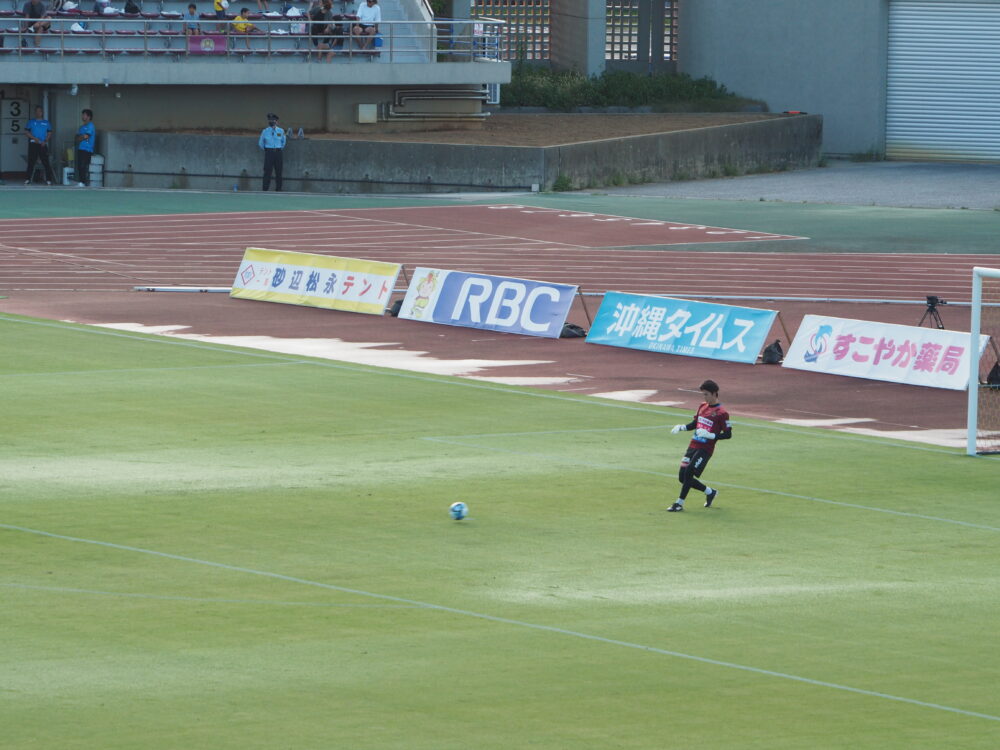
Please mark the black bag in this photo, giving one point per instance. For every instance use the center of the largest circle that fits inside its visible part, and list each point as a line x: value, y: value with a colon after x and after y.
x: 131, y: 7
x: 994, y: 377
x: 572, y: 331
x: 772, y: 354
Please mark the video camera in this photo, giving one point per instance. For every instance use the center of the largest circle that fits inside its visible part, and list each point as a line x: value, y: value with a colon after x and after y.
x: 933, y: 300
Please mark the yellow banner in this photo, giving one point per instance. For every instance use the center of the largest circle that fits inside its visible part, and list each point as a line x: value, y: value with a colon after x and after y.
x: 313, y: 280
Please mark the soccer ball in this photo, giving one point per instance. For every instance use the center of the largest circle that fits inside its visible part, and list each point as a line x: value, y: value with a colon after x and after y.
x: 458, y: 511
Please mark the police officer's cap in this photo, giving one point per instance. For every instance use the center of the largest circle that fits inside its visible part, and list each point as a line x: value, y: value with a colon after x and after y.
x: 272, y: 116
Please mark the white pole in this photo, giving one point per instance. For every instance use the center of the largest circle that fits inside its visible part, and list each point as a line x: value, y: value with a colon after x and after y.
x: 974, y: 324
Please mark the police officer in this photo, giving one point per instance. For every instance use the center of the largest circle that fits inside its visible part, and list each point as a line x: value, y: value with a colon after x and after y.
x: 272, y: 141
x: 39, y: 133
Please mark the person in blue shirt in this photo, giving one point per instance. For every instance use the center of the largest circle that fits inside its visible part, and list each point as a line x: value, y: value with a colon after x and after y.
x: 190, y: 19
x: 272, y: 141
x: 85, y: 137
x: 39, y: 133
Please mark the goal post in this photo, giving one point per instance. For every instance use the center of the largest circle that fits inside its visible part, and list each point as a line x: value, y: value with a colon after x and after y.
x: 984, y: 391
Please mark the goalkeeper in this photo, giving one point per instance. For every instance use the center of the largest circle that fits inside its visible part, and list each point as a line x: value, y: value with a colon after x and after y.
x: 710, y: 424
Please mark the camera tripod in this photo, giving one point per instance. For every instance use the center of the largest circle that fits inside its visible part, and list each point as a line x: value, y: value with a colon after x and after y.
x: 932, y: 312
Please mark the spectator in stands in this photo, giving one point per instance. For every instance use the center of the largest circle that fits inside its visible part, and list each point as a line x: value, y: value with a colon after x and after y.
x: 369, y: 17
x: 191, y: 21
x: 242, y: 26
x: 272, y: 141
x: 86, y: 135
x: 262, y: 6
x: 37, y: 20
x: 320, y: 28
x: 39, y: 133
x: 220, y: 13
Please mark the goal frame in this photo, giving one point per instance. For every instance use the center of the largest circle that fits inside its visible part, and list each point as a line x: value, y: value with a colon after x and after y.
x: 978, y: 274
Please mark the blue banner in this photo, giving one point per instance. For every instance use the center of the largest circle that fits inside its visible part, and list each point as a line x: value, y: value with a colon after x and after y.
x: 493, y: 303
x: 680, y: 326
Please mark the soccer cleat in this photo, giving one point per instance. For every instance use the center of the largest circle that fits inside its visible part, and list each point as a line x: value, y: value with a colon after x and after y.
x: 710, y: 497
x: 676, y: 507
x: 80, y: 184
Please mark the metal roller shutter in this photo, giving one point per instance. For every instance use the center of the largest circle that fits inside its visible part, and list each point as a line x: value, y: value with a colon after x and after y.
x: 943, y: 89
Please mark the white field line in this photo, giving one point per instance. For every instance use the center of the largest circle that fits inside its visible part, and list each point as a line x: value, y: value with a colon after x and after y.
x: 549, y: 458
x: 199, y: 599
x: 468, y: 383
x: 517, y: 623
x: 145, y: 369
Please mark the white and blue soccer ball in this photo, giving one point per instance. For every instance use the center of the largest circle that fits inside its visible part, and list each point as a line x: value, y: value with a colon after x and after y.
x: 458, y: 511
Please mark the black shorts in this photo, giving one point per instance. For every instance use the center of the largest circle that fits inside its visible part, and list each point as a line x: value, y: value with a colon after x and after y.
x: 697, y: 458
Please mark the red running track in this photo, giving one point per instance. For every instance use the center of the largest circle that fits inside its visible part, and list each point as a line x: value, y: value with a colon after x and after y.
x: 597, y: 252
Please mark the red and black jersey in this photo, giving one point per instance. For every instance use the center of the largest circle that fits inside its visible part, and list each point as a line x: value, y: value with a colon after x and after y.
x: 714, y: 419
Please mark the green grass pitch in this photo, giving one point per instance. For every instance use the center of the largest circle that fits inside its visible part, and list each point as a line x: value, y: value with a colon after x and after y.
x: 208, y: 547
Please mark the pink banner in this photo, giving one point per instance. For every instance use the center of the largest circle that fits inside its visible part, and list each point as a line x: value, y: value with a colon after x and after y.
x: 883, y: 351
x: 207, y: 44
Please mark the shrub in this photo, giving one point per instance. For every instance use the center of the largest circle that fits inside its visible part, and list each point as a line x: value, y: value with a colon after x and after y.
x: 562, y: 184
x: 566, y: 90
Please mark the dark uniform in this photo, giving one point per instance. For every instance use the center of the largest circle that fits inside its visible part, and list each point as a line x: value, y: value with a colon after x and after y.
x: 272, y: 142
x: 714, y: 419
x: 710, y: 424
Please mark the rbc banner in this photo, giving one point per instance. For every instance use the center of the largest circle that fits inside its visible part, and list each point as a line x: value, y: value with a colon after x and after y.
x: 493, y: 303
x: 882, y: 351
x: 327, y: 281
x: 679, y: 326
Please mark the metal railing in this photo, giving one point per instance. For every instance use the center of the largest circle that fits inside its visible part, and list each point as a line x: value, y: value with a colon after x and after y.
x: 168, y: 35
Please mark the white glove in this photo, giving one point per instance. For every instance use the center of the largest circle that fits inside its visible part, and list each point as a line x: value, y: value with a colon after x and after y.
x: 701, y: 432
x: 678, y: 428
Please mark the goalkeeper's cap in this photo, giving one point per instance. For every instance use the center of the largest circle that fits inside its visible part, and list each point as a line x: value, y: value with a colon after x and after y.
x: 709, y: 385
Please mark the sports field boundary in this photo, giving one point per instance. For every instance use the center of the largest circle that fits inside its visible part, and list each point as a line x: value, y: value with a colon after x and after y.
x: 509, y: 621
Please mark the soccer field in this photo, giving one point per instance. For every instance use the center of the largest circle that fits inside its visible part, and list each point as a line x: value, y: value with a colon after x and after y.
x: 210, y: 547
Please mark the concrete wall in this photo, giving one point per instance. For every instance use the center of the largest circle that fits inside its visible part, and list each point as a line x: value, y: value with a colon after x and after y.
x: 576, y: 35
x: 815, y: 56
x: 119, y: 107
x: 329, y: 166
x: 323, y: 166
x: 783, y: 142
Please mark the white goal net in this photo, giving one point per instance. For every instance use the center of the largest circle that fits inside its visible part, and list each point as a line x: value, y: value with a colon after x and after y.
x: 984, y: 379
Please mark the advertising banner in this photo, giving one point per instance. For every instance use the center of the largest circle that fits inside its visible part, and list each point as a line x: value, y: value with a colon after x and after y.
x: 206, y: 44
x: 882, y: 351
x: 493, y: 303
x: 327, y: 281
x: 679, y: 326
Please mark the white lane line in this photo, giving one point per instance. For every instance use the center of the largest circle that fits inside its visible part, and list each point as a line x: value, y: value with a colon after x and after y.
x: 517, y: 623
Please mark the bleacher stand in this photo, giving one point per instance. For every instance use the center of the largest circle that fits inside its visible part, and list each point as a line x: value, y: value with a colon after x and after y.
x: 154, y: 28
